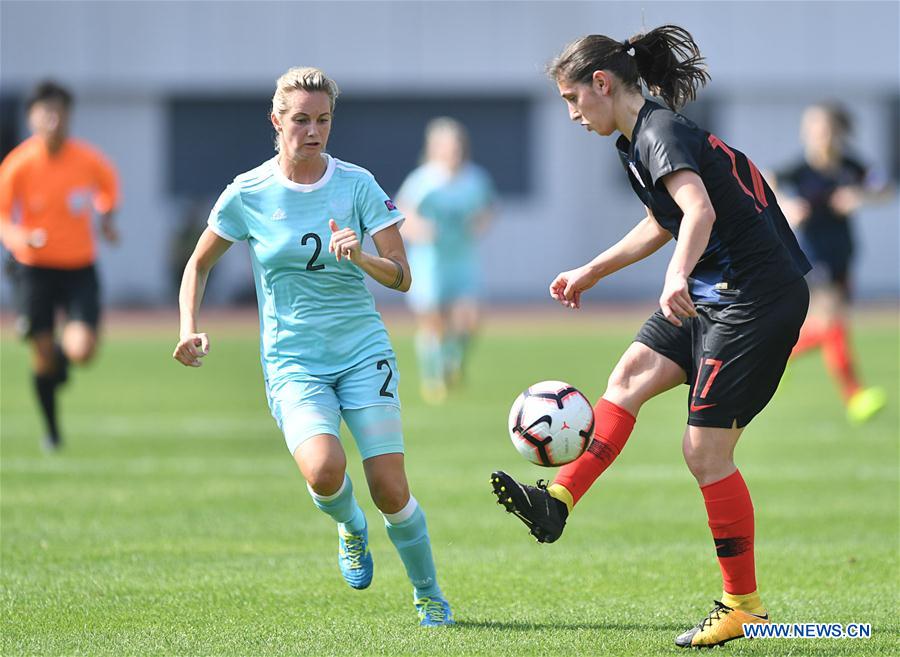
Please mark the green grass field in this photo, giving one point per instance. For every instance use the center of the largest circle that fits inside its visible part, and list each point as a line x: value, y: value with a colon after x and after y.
x: 175, y: 522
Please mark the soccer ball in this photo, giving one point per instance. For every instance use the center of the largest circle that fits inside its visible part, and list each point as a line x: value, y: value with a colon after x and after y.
x: 551, y: 423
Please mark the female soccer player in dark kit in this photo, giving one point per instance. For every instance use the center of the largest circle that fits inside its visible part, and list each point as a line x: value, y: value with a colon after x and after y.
x: 733, y: 300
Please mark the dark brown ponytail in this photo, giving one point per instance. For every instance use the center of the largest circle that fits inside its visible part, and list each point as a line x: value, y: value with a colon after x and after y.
x: 670, y: 64
x: 667, y: 59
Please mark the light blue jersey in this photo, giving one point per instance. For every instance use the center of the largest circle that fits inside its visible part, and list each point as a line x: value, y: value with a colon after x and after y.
x: 450, y: 204
x: 445, y: 270
x: 316, y: 315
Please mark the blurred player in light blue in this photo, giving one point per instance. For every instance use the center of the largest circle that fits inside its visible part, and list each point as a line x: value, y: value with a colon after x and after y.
x: 447, y: 203
x: 325, y: 352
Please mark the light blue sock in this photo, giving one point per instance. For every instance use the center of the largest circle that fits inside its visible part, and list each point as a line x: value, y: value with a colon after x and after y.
x: 341, y: 506
x: 453, y: 351
x: 428, y: 352
x: 409, y: 534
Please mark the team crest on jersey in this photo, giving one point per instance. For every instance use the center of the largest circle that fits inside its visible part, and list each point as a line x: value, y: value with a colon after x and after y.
x: 390, y: 205
x: 279, y: 215
x: 636, y: 174
x: 79, y: 200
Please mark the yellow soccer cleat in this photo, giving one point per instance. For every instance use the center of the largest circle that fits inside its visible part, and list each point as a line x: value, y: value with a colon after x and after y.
x: 433, y: 393
x: 723, y: 624
x: 864, y: 404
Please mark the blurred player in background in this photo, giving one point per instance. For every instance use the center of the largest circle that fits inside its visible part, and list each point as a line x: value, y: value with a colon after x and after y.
x: 50, y: 188
x: 733, y: 300
x: 325, y: 352
x: 447, y: 204
x: 819, y: 194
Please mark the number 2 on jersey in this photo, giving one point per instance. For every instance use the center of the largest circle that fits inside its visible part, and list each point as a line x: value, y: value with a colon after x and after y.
x: 311, y: 265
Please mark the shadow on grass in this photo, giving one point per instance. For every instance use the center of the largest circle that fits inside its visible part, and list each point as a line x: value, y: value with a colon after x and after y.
x: 524, y: 626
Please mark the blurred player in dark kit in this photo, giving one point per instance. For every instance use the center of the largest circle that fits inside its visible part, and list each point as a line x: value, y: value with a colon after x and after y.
x: 820, y: 193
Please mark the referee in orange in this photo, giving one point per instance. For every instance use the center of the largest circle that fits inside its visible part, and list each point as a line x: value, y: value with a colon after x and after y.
x: 51, y: 187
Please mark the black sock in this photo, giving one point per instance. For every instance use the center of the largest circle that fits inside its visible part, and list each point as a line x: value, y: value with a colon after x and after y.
x: 62, y: 365
x: 45, y: 386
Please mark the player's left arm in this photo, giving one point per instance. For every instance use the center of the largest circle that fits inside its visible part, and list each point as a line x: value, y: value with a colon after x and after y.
x: 481, y: 220
x: 106, y: 198
x: 873, y: 188
x: 389, y: 267
x: 687, y: 190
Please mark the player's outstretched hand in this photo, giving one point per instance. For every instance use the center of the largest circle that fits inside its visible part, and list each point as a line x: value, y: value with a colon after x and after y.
x: 344, y: 242
x: 846, y: 199
x: 568, y: 286
x: 675, y: 300
x: 191, y: 348
x: 109, y: 230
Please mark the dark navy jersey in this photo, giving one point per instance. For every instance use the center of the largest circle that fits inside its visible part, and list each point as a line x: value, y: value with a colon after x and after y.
x: 752, y: 250
x: 826, y: 234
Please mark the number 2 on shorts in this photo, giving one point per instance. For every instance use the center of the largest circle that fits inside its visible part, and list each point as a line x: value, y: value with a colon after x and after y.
x: 390, y: 374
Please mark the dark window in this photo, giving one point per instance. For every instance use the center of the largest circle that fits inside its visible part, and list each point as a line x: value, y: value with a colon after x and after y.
x: 213, y: 139
x: 10, y: 106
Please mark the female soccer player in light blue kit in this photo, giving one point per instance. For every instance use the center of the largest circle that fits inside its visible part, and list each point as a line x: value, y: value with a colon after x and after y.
x: 325, y: 351
x: 447, y: 204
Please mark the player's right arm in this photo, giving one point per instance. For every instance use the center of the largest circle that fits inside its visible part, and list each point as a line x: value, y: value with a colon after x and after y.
x: 641, y: 241
x: 795, y: 209
x: 192, y: 346
x: 13, y: 236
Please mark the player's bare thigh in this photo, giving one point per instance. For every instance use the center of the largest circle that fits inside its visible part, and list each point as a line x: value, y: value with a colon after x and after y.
x: 827, y: 303
x: 640, y: 375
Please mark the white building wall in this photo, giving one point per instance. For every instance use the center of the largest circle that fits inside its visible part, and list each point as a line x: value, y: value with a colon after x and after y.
x: 767, y: 59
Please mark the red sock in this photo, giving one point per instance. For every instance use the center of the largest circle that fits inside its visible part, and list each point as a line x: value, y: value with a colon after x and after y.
x: 730, y: 512
x: 612, y: 426
x: 811, y: 336
x: 839, y: 359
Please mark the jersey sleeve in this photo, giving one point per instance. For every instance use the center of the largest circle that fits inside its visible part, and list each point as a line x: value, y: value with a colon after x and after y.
x: 106, y: 197
x: 487, y: 190
x: 8, y: 170
x: 787, y: 175
x: 227, y: 219
x: 413, y: 190
x: 671, y: 146
x: 375, y: 208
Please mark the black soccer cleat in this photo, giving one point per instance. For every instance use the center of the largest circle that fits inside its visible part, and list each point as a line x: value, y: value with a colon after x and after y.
x: 544, y: 515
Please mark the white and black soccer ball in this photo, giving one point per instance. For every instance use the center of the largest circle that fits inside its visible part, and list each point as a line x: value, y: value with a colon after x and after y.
x: 551, y: 423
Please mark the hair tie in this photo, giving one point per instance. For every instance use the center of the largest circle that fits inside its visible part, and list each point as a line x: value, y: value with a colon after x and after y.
x: 627, y: 45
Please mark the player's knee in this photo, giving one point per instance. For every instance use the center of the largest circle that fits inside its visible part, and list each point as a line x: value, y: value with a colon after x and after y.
x: 325, y: 477
x: 79, y: 347
x: 81, y: 354
x: 389, y: 494
x: 707, y: 466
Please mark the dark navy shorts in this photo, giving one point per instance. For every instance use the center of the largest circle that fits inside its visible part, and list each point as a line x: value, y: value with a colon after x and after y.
x: 41, y: 292
x: 733, y: 355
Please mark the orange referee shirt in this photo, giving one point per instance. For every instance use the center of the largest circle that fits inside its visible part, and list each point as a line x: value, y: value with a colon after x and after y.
x: 58, y: 193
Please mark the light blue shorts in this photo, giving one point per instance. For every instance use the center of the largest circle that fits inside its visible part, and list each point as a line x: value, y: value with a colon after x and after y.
x: 439, y: 280
x: 365, y: 395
